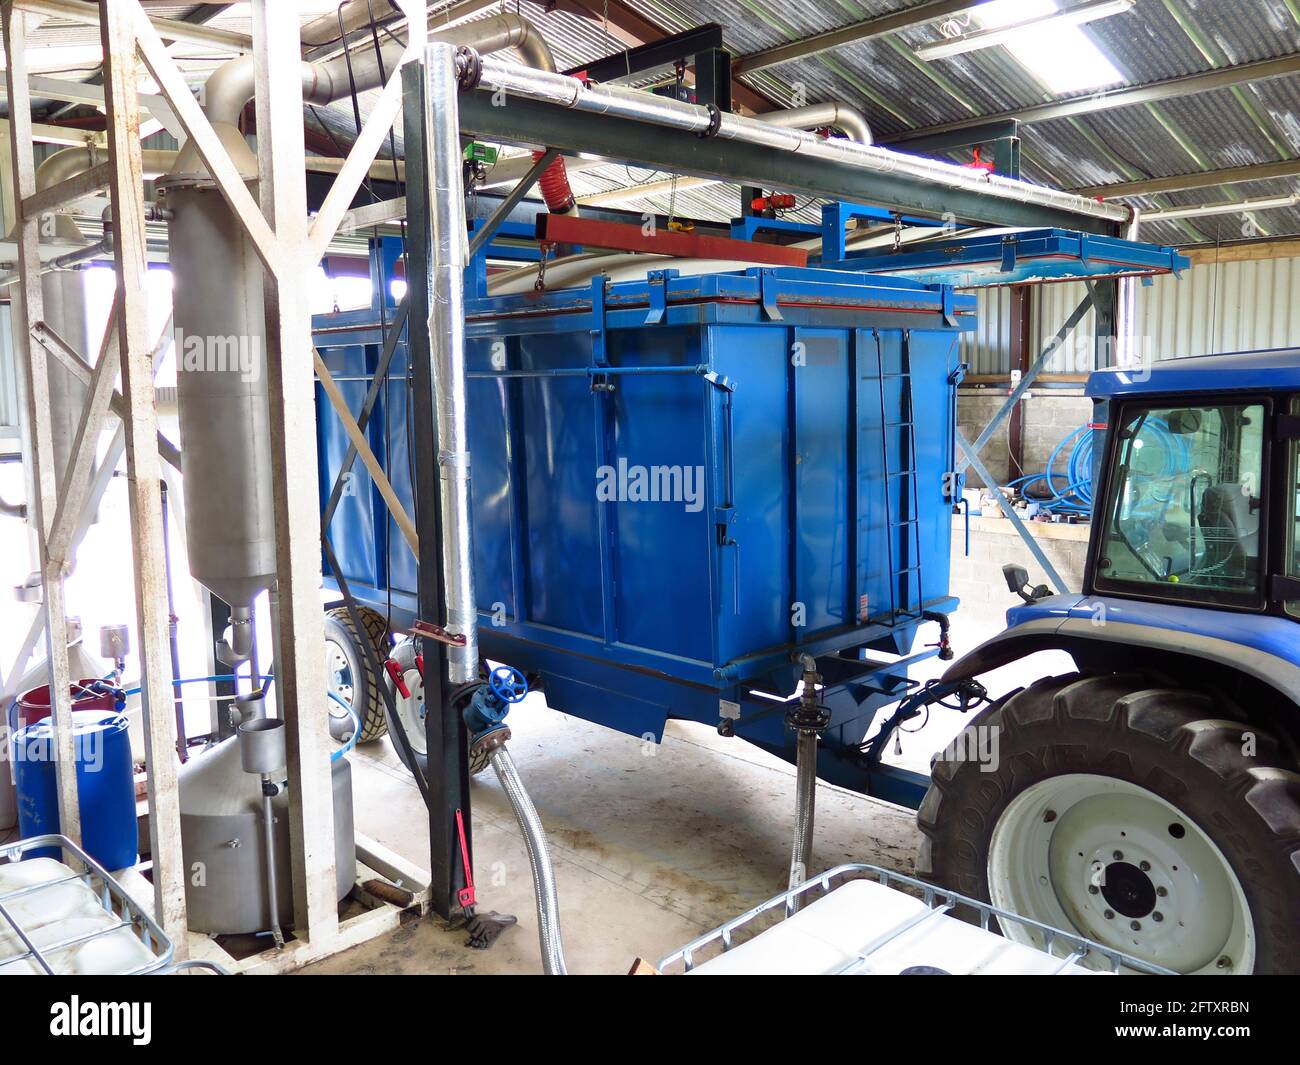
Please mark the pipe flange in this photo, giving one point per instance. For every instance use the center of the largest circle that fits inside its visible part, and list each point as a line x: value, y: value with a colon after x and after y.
x: 469, y: 67
x: 715, y: 123
x: 809, y: 718
x: 482, y: 748
x: 178, y: 182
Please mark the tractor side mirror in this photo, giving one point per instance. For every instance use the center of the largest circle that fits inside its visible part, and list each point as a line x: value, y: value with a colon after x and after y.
x: 1017, y: 578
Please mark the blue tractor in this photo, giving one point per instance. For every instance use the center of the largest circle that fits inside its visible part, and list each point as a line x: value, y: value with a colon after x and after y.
x: 1150, y: 799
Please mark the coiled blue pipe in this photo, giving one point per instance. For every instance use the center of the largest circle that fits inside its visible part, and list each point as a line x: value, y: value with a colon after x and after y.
x: 1075, y: 496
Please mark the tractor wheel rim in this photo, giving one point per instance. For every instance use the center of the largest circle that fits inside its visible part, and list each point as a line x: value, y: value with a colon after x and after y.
x: 1118, y: 864
x: 338, y: 675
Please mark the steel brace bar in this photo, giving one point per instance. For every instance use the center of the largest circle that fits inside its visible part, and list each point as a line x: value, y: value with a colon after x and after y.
x: 490, y: 227
x: 1030, y: 376
x: 1034, y: 547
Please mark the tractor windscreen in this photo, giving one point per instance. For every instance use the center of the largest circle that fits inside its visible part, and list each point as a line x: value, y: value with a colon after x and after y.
x: 1183, y: 516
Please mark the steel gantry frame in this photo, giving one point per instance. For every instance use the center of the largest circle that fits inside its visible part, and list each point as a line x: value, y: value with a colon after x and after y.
x: 289, y: 244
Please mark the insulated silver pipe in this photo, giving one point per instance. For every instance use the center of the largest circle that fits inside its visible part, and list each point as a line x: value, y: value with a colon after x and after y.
x: 692, y: 118
x: 232, y: 84
x: 450, y: 252
x: 817, y: 116
x: 539, y: 861
x: 814, y: 116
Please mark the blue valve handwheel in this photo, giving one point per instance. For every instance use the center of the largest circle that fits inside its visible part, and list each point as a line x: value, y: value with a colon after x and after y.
x: 508, y: 684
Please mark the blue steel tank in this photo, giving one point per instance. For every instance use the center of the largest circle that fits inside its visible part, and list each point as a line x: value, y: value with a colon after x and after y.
x: 684, y: 483
x: 105, y: 786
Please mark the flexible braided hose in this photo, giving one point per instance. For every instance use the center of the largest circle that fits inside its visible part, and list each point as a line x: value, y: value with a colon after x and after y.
x: 539, y: 859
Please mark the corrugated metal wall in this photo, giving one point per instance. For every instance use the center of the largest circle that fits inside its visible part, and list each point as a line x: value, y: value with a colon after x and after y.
x: 1218, y: 307
x: 986, y: 350
x: 1213, y: 308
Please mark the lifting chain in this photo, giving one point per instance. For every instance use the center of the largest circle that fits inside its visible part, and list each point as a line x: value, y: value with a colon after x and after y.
x: 540, y: 284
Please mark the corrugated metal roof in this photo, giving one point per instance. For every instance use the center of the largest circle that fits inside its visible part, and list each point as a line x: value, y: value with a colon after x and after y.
x: 1155, y: 40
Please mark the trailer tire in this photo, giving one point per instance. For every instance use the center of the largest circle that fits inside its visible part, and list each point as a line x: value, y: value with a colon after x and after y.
x: 1086, y: 768
x: 409, y: 720
x: 349, y: 674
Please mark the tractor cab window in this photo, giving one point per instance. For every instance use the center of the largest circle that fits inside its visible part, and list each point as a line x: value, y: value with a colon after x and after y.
x: 1183, y: 521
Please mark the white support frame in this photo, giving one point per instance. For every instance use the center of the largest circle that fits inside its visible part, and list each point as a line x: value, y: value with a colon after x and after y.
x: 288, y: 244
x: 144, y: 470
x: 34, y: 386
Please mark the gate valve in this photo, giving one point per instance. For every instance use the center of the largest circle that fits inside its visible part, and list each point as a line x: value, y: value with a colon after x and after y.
x: 486, y: 712
x: 508, y: 684
x: 399, y: 681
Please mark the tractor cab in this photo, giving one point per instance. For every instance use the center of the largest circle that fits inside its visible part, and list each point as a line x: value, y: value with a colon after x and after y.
x: 1150, y: 799
x: 1198, y: 487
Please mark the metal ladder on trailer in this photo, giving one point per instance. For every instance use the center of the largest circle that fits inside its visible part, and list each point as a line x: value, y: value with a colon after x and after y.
x: 905, y: 532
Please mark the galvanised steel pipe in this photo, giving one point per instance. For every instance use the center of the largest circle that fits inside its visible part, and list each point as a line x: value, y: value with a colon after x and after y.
x: 450, y: 253
x: 701, y: 120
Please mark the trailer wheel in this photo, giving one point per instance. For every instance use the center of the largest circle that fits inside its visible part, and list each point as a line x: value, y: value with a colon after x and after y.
x: 411, y: 713
x: 1148, y: 817
x: 348, y: 673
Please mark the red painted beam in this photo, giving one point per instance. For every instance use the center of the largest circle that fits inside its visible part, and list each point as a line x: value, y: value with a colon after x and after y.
x: 618, y: 236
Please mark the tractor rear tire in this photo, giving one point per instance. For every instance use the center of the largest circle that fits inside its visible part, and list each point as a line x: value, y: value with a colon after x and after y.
x: 1068, y: 822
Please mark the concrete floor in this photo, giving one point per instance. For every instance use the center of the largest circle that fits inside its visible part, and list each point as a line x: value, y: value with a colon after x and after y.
x: 652, y: 845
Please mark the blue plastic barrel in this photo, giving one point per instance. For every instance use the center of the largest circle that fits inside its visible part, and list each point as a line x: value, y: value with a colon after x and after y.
x: 105, y: 786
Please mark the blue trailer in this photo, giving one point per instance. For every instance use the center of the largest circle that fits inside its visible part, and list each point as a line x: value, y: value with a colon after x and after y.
x: 694, y: 495
x: 681, y: 485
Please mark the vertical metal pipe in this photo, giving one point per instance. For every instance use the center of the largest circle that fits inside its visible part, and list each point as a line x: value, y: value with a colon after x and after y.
x: 173, y: 644
x: 1126, y: 353
x: 272, y: 885
x: 446, y: 195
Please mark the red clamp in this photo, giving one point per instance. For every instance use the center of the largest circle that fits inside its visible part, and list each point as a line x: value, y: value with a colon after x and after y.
x: 977, y: 163
x: 399, y: 681
x: 419, y: 665
x: 436, y: 632
x: 465, y: 896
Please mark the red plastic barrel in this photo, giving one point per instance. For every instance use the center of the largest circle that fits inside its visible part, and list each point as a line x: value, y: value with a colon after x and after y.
x: 34, y: 705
